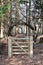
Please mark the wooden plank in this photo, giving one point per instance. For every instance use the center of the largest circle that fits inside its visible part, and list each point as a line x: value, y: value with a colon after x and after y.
x: 20, y: 45
x: 18, y: 38
x: 9, y: 48
x: 20, y: 42
x: 31, y: 46
x: 18, y: 50
x: 19, y: 53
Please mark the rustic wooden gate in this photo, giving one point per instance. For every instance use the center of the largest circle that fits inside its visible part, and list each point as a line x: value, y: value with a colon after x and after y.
x: 19, y: 46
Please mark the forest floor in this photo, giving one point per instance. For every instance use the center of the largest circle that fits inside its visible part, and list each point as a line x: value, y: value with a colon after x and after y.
x: 37, y: 58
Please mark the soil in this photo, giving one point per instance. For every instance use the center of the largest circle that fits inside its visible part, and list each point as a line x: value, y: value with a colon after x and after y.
x: 37, y: 58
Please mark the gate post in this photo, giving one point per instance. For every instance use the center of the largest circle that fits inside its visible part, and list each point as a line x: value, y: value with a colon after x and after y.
x: 31, y: 46
x: 9, y: 47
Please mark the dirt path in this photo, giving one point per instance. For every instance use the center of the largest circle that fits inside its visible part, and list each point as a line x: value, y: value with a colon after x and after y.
x: 22, y: 60
x: 25, y: 59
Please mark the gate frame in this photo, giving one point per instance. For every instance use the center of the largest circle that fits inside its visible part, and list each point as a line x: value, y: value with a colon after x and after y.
x: 30, y: 44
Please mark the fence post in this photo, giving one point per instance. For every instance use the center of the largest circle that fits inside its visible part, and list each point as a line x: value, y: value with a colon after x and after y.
x: 9, y: 47
x: 31, y: 46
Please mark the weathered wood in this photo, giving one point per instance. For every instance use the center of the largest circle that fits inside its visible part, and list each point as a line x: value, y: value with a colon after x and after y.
x: 31, y: 46
x: 20, y: 48
x: 9, y: 48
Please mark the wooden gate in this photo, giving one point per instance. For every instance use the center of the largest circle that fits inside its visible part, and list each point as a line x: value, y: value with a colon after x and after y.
x: 19, y: 46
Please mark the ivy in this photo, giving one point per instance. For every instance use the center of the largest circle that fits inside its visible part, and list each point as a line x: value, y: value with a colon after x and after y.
x: 3, y: 9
